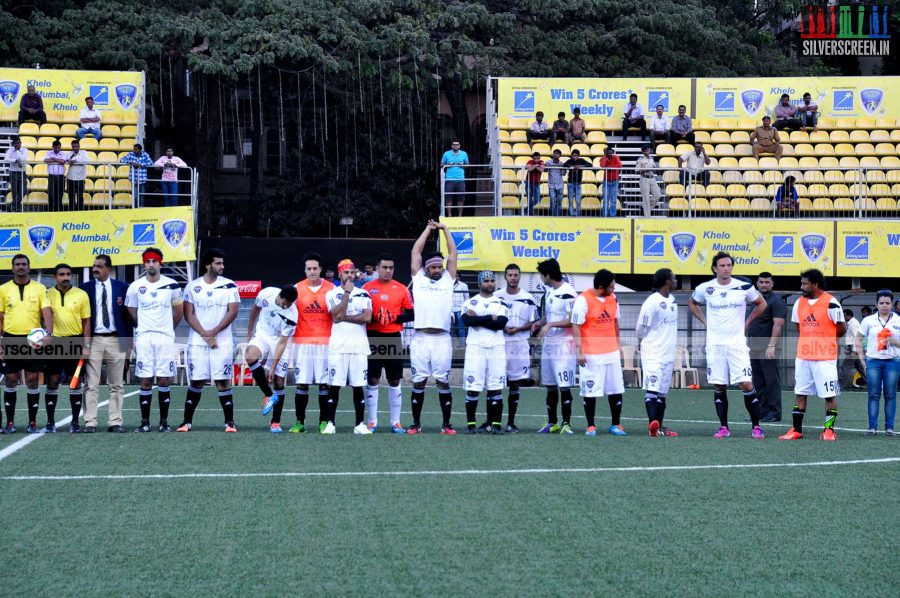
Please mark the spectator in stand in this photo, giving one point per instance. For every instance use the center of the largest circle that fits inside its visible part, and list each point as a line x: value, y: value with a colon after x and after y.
x: 681, y: 127
x: 90, y: 121
x: 455, y: 177
x: 31, y: 107
x: 139, y: 161
x: 765, y: 140
x: 576, y: 165
x: 693, y: 165
x: 329, y: 276
x: 808, y: 113
x: 460, y: 296
x: 170, y: 163
x: 77, y: 161
x: 369, y: 273
x: 555, y: 171
x: 659, y: 126
x: 897, y: 307
x: 612, y: 166
x: 787, y: 201
x: 16, y: 158
x: 559, y: 133
x: 634, y: 117
x: 577, y: 127
x: 56, y: 176
x: 865, y: 311
x: 646, y: 168
x: 785, y: 114
x: 534, y: 168
x: 851, y: 359
x: 538, y: 129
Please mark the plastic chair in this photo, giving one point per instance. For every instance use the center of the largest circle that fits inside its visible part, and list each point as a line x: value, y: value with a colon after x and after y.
x: 631, y: 365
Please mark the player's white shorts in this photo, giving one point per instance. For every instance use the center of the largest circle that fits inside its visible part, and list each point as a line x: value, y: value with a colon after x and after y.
x: 558, y: 364
x: 818, y: 378
x: 206, y: 363
x: 484, y: 367
x: 155, y: 355
x: 601, y: 375
x: 348, y: 369
x: 518, y: 360
x: 266, y: 345
x: 430, y: 355
x: 310, y: 364
x: 657, y: 375
x: 728, y: 364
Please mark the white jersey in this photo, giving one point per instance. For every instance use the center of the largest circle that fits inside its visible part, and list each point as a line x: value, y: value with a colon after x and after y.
x: 870, y: 328
x: 522, y: 310
x: 274, y: 321
x: 347, y: 337
x: 558, y: 307
x: 726, y: 307
x: 211, y: 303
x: 486, y: 306
x: 154, y: 301
x: 658, y: 320
x: 433, y: 300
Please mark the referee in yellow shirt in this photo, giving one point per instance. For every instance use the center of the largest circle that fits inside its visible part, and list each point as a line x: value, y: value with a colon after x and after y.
x: 72, y: 341
x: 23, y: 303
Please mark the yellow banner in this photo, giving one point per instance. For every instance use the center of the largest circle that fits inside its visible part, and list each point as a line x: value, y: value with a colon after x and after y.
x: 597, y: 98
x: 868, y: 248
x: 579, y: 244
x: 837, y: 97
x: 49, y: 238
x: 115, y: 93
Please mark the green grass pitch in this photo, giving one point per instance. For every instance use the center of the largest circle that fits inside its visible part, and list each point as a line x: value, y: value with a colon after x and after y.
x: 513, y: 515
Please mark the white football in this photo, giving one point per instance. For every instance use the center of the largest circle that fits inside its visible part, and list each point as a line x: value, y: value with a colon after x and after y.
x: 36, y: 338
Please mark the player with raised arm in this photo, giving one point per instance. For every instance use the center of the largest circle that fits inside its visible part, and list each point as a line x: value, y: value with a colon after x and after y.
x: 155, y: 304
x: 727, y: 353
x: 271, y: 325
x: 558, y: 354
x: 657, y: 334
x: 523, y: 313
x: 431, y: 349
x: 211, y: 304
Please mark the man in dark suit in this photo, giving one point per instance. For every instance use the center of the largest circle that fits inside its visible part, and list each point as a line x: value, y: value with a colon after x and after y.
x: 112, y: 332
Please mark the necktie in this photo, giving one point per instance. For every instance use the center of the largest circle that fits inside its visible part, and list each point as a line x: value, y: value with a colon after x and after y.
x: 104, y: 308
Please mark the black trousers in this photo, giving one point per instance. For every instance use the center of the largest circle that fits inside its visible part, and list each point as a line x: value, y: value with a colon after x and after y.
x: 40, y: 116
x: 76, y: 195
x: 767, y: 381
x: 674, y: 137
x: 56, y: 184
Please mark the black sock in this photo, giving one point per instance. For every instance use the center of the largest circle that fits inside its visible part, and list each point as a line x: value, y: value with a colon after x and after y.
x: 615, y: 408
x: 359, y: 404
x: 552, y: 402
x: 226, y: 399
x: 445, y: 396
x: 797, y: 414
x: 50, y: 399
x: 323, y: 402
x: 660, y: 408
x: 751, y: 402
x: 416, y: 398
x: 34, y: 401
x: 565, y: 407
x: 472, y: 408
x: 164, y: 400
x: 260, y: 377
x: 830, y: 418
x: 334, y: 394
x: 145, y: 397
x: 301, y: 400
x: 650, y: 405
x: 590, y: 409
x: 277, y: 410
x: 9, y: 404
x: 75, y: 399
x: 495, y: 408
x: 721, y: 399
x: 512, y: 404
x: 191, y: 400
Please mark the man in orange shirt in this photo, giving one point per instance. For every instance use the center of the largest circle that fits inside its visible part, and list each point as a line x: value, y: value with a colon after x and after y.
x: 820, y: 322
x: 310, y: 359
x: 391, y: 307
x: 595, y: 323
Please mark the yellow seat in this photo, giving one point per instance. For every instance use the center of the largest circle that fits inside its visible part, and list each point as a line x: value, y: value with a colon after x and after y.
x: 879, y: 190
x: 736, y: 190
x: 885, y: 149
x: 699, y: 137
x: 723, y: 149
x: 672, y: 176
x: 768, y: 162
x: 715, y: 177
x: 740, y: 137
x: 108, y: 144
x: 801, y: 137
x: 752, y: 176
x: 589, y: 176
x: 895, y: 135
x: 508, y: 189
x: 596, y: 137
x: 36, y: 198
x: 858, y: 136
x: 678, y: 204
x: 848, y: 162
x: 808, y: 162
x: 29, y: 128
x: 817, y: 190
x: 706, y: 124
x: 869, y: 162
x: 503, y: 136
x: 813, y: 176
x: 501, y: 122
x: 715, y: 190
x: 589, y: 190
x: 879, y: 136
x: 761, y: 204
x: 837, y: 136
x: 675, y: 190
x: 789, y: 162
x: 696, y: 190
x: 508, y: 202
x: 719, y: 204
x: 887, y: 204
x: 517, y: 137
x: 757, y: 190
x: 865, y: 203
x: 38, y: 169
x: 890, y: 162
x: 720, y: 136
x: 110, y: 131
x: 505, y: 148
x: 45, y: 142
x: 744, y: 149
x: 834, y: 176
x: 865, y: 123
x: 727, y: 123
x: 730, y: 177
x: 519, y: 149
x: 50, y: 129
x: 848, y: 124
x: 101, y: 199
x: 822, y: 204
x: 838, y: 190
x: 665, y: 149
x: 740, y: 204
x: 582, y: 147
x: 728, y: 162
x: 507, y: 175
x: 805, y: 204
x: 748, y: 162
x: 597, y: 149
x: 824, y: 149
x: 893, y: 176
x: 865, y: 149
x: 123, y: 200
x: 843, y: 204
x: 592, y: 204
x: 563, y: 148
x: 799, y: 177
x: 746, y: 124
x: 89, y: 144
x: 885, y: 123
x: 668, y: 162
x: 872, y: 176
x: 518, y: 124
x: 895, y: 190
x: 804, y: 149
x: 68, y: 130
x: 801, y: 190
x: 860, y: 190
x: 38, y: 184
x: 107, y: 157
x: 826, y: 124
x: 828, y: 162
x: 699, y: 204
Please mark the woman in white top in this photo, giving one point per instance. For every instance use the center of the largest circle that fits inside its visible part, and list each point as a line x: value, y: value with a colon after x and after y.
x: 882, y: 364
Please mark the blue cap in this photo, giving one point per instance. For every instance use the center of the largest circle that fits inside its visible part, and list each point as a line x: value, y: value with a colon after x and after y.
x: 486, y: 275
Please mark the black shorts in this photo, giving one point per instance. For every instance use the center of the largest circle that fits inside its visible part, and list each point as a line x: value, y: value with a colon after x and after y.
x: 18, y: 356
x: 387, y: 354
x: 67, y: 350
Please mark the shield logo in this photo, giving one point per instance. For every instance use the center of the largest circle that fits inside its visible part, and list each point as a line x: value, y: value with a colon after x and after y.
x: 126, y: 95
x: 142, y: 290
x: 752, y: 100
x: 209, y: 293
x: 41, y: 238
x: 9, y: 91
x: 871, y: 99
x: 174, y: 232
x: 197, y: 289
x: 813, y: 246
x: 683, y: 245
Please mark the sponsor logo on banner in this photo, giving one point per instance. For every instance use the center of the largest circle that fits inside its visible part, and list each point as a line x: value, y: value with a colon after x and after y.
x: 523, y: 101
x: 41, y: 238
x: 653, y: 245
x: 609, y: 244
x: 724, y: 101
x: 248, y: 288
x: 657, y: 97
x: 100, y: 93
x: 813, y: 246
x: 842, y: 100
x: 9, y: 91
x: 465, y: 242
x: 752, y: 100
x: 871, y: 99
x: 782, y: 246
x: 174, y: 231
x: 143, y: 234
x: 856, y: 247
x: 10, y: 239
x: 126, y: 95
x: 683, y: 245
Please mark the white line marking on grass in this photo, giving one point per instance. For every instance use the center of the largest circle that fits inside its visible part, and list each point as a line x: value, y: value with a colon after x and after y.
x: 457, y: 472
x: 29, y: 438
